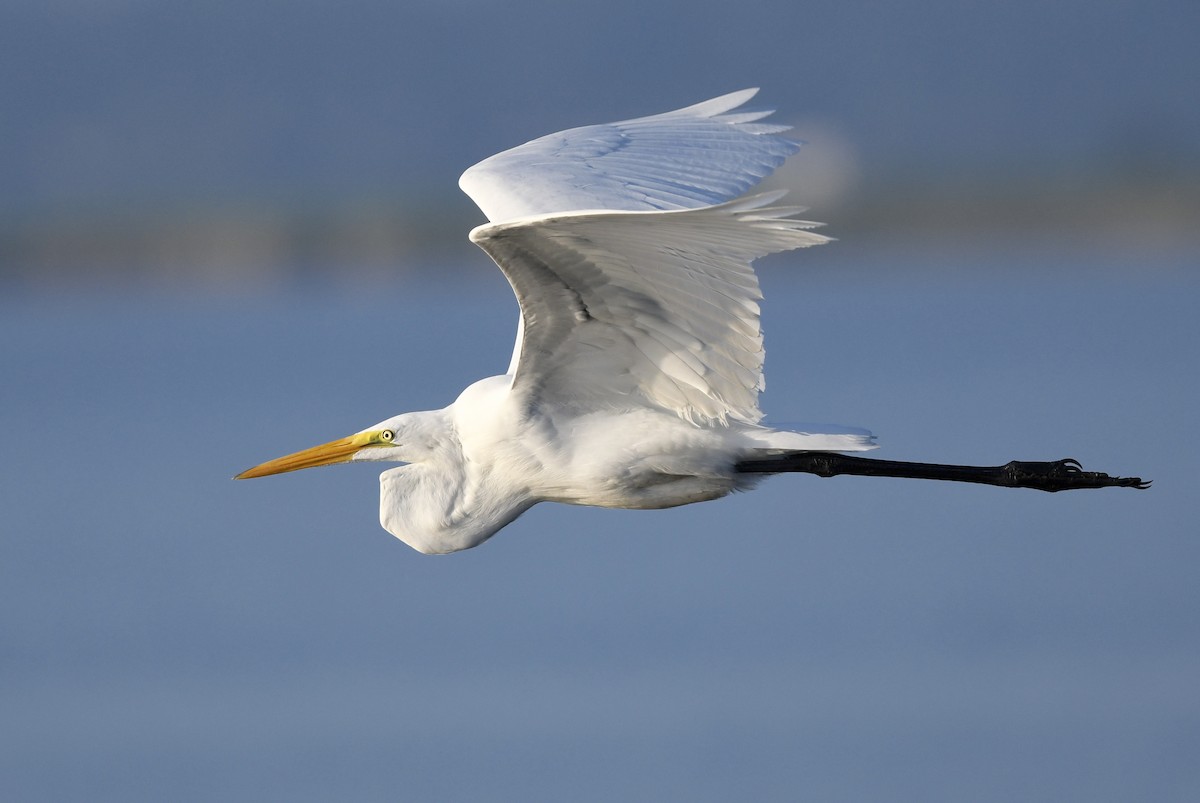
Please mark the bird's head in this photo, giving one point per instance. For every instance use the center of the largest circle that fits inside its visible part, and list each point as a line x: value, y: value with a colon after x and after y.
x: 404, y: 438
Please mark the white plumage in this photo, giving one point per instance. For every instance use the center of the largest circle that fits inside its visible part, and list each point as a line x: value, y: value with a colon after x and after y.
x: 661, y: 305
x: 635, y: 377
x: 692, y: 157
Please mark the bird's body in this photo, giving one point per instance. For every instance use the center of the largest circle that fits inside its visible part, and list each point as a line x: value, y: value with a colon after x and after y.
x: 476, y: 465
x: 635, y: 377
x: 489, y: 463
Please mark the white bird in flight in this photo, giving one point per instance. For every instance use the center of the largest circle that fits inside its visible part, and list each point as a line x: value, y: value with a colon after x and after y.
x: 635, y: 377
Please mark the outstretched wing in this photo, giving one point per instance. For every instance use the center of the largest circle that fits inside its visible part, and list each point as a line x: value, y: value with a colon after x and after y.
x: 697, y: 156
x: 631, y: 259
x: 623, y: 309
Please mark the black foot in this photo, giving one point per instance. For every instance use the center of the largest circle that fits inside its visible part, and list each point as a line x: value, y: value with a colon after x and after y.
x: 1061, y: 475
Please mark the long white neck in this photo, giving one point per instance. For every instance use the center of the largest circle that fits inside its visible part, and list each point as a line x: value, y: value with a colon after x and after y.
x: 450, y: 496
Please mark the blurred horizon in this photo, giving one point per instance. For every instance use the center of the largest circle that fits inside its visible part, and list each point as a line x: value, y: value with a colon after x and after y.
x: 228, y: 143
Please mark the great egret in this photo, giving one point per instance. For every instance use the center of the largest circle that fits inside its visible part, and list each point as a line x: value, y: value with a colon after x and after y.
x: 635, y: 377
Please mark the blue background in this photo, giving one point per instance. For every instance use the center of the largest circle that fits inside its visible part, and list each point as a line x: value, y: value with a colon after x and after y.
x: 231, y: 231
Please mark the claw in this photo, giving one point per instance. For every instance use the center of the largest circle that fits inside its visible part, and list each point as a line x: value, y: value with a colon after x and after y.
x: 1063, y: 475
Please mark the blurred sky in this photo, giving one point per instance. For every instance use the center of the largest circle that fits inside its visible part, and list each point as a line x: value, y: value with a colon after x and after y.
x: 229, y: 230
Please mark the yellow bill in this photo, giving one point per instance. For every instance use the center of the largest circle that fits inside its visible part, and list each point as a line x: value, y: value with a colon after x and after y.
x: 339, y: 451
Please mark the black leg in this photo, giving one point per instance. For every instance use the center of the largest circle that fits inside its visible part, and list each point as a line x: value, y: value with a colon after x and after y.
x: 1057, y: 475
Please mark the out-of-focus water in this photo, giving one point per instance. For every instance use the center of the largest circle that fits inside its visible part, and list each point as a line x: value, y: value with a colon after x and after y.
x: 168, y: 634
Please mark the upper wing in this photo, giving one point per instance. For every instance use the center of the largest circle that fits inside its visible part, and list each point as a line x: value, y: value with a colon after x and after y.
x: 688, y: 158
x: 643, y: 308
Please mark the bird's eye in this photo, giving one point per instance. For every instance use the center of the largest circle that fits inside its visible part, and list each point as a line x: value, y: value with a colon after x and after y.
x: 387, y: 436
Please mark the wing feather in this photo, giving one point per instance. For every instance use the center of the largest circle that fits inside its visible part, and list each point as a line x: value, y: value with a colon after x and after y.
x: 684, y: 159
x: 630, y: 308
